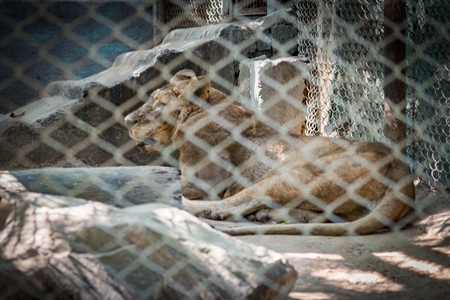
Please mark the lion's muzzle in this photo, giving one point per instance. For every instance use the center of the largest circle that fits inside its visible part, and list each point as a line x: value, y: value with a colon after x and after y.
x: 130, y: 120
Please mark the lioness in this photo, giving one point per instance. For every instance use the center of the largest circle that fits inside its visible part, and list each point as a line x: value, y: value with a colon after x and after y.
x: 227, y: 154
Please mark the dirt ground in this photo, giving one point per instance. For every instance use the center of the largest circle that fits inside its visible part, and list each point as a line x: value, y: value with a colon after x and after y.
x: 413, y: 263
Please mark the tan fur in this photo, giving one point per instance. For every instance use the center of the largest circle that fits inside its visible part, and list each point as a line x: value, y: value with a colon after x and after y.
x: 227, y: 154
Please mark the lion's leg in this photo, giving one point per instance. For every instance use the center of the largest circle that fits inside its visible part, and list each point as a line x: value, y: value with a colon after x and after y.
x: 234, y: 207
x: 296, y: 215
x: 280, y: 191
x: 396, y: 202
x: 282, y: 215
x: 306, y: 191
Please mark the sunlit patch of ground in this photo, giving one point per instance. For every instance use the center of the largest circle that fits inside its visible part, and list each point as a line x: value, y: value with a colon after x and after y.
x: 410, y: 264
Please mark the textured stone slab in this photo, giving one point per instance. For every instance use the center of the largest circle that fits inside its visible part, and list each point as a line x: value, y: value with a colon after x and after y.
x: 62, y: 247
x: 118, y: 186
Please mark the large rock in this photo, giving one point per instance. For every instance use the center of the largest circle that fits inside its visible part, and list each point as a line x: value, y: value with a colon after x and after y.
x: 117, y: 186
x: 61, y: 248
x: 80, y: 123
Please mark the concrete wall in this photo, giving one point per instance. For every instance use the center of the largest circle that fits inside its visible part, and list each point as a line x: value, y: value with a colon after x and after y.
x: 44, y: 41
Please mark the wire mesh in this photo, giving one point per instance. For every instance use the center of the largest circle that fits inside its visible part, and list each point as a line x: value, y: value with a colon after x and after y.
x: 344, y: 41
x: 185, y: 14
x: 71, y: 72
x: 346, y: 47
x: 428, y: 88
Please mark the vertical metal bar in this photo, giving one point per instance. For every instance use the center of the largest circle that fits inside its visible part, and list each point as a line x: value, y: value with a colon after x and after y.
x: 325, y: 47
x: 394, y: 82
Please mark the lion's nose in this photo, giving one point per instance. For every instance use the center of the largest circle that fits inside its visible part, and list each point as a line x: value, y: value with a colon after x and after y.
x: 130, y: 121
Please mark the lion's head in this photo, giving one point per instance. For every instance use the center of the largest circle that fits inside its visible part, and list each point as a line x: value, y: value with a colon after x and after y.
x: 153, y: 125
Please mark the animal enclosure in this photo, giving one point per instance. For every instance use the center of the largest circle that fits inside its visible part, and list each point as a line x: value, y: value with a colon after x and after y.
x: 377, y: 71
x: 343, y: 42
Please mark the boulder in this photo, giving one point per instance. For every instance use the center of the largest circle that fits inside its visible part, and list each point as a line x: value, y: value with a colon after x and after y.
x: 61, y: 247
x: 117, y: 186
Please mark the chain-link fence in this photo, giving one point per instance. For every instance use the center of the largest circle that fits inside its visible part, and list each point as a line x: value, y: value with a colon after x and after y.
x: 375, y: 71
x: 350, y: 54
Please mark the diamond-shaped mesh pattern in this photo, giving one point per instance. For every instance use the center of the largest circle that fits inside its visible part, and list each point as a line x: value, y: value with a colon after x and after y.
x: 185, y: 14
x: 428, y: 88
x: 309, y: 84
x: 346, y: 47
x: 347, y: 50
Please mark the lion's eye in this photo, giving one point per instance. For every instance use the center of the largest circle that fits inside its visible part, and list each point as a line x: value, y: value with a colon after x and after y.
x: 159, y: 105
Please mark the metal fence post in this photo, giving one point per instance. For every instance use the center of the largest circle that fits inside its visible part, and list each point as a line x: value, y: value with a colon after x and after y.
x: 394, y: 72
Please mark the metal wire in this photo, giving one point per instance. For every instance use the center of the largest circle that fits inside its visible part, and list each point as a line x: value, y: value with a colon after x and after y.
x: 343, y: 39
x: 340, y: 41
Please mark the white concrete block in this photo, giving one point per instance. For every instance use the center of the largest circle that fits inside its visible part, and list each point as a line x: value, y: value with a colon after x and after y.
x: 276, y: 88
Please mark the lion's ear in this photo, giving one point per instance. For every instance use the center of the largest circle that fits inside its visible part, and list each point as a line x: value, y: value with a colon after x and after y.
x: 197, y: 88
x: 183, y: 75
x: 202, y: 87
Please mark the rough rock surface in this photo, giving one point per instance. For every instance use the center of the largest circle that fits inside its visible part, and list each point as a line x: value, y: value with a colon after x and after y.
x: 117, y: 186
x: 80, y: 123
x: 62, y: 247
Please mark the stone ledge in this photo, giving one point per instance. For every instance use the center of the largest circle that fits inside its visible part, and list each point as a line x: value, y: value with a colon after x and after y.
x: 88, y: 250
